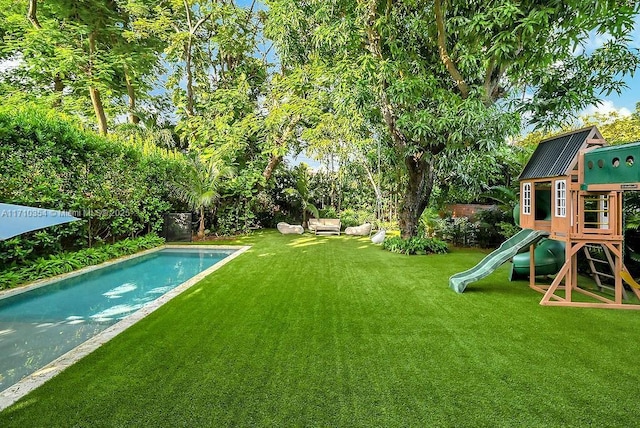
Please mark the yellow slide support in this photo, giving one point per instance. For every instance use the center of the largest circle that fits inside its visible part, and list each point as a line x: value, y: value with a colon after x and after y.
x: 626, y: 277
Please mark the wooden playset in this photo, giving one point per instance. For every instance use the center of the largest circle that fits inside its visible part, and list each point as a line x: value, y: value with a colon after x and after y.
x: 572, y: 188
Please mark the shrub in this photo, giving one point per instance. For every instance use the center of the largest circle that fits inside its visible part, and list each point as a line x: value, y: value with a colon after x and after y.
x: 56, y: 264
x: 428, y: 223
x: 415, y: 245
x: 507, y: 230
x: 119, y: 188
x: 489, y: 231
x: 458, y: 231
x: 328, y: 212
x: 349, y: 217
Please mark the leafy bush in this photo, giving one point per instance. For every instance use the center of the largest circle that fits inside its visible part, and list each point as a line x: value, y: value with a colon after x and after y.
x: 119, y: 188
x: 349, y: 217
x: 507, y: 230
x: 56, y: 264
x: 428, y: 222
x: 328, y: 212
x: 457, y: 230
x: 415, y: 245
x: 489, y: 231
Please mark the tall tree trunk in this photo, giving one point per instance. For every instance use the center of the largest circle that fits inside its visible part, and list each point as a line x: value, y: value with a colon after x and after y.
x: 416, y: 197
x: 98, y: 108
x: 131, y: 92
x: 58, y: 88
x: 32, y: 14
x: 419, y: 168
x: 201, y: 226
x: 187, y: 66
x: 273, y: 163
x: 96, y: 101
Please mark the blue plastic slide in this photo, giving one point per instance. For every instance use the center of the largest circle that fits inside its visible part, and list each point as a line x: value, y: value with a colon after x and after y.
x: 504, y: 253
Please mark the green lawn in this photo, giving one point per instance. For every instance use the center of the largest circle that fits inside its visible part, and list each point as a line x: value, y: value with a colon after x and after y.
x: 333, y: 331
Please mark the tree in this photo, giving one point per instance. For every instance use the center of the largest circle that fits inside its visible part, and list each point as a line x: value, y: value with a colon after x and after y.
x: 292, y: 103
x: 70, y: 49
x: 201, y: 190
x: 443, y: 75
x: 464, y: 175
x: 302, y: 192
x: 615, y: 128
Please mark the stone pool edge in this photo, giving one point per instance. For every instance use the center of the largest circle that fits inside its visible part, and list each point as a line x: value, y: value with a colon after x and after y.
x: 18, y: 390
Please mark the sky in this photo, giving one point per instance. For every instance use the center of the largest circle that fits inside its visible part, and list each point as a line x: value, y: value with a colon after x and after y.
x: 624, y: 103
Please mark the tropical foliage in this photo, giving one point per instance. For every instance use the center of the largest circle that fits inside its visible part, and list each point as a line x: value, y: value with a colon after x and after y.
x: 446, y: 79
x: 119, y: 189
x: 404, y: 105
x: 415, y: 245
x: 200, y: 189
x: 57, y: 264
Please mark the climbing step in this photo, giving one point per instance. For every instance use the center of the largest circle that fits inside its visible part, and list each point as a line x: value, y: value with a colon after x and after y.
x: 598, y: 275
x: 606, y: 275
x: 597, y: 260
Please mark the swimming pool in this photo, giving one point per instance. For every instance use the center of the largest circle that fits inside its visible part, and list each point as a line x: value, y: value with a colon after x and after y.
x: 40, y: 325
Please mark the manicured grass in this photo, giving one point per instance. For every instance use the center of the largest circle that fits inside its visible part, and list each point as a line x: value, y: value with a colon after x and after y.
x: 333, y: 331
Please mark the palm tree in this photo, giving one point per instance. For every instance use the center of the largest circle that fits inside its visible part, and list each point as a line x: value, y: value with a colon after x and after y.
x: 201, y: 190
x: 302, y: 191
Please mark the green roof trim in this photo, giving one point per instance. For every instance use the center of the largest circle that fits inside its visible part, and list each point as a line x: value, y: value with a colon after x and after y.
x: 555, y: 156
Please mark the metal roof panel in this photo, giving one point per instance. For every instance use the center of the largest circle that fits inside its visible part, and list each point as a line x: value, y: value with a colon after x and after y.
x: 554, y: 157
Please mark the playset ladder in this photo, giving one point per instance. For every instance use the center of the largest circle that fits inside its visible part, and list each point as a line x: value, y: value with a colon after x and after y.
x: 595, y: 262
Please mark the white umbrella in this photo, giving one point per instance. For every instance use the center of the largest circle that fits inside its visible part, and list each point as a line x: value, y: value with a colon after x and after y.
x: 18, y: 219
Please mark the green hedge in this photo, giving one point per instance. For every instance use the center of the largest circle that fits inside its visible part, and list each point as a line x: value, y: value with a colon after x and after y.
x: 119, y: 188
x: 415, y: 245
x: 56, y: 264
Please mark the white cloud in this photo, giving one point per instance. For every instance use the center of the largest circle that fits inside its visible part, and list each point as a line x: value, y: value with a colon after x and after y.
x: 605, y: 107
x: 597, y: 41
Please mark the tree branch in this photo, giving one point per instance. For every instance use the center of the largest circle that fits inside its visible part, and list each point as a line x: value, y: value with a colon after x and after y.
x: 487, y: 78
x: 265, y: 54
x: 492, y: 78
x: 250, y: 12
x: 275, y: 159
x: 200, y: 22
x: 32, y: 15
x: 374, y: 46
x: 444, y: 54
x: 376, y: 189
x: 187, y: 11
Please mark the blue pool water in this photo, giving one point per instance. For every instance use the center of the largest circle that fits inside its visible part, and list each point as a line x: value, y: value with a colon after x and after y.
x: 39, y: 325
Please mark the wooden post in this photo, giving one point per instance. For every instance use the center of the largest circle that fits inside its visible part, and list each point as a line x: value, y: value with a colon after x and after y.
x: 532, y: 266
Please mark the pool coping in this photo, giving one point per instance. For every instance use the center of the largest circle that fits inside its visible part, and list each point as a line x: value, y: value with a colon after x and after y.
x: 18, y: 390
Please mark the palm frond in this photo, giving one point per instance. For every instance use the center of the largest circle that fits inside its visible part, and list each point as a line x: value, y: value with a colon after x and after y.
x: 503, y: 195
x: 632, y: 221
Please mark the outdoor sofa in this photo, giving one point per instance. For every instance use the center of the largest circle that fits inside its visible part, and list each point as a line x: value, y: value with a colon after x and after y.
x: 325, y: 226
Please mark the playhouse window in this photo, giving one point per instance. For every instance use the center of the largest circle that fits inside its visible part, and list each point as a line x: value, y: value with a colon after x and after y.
x: 561, y: 198
x: 526, y: 198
